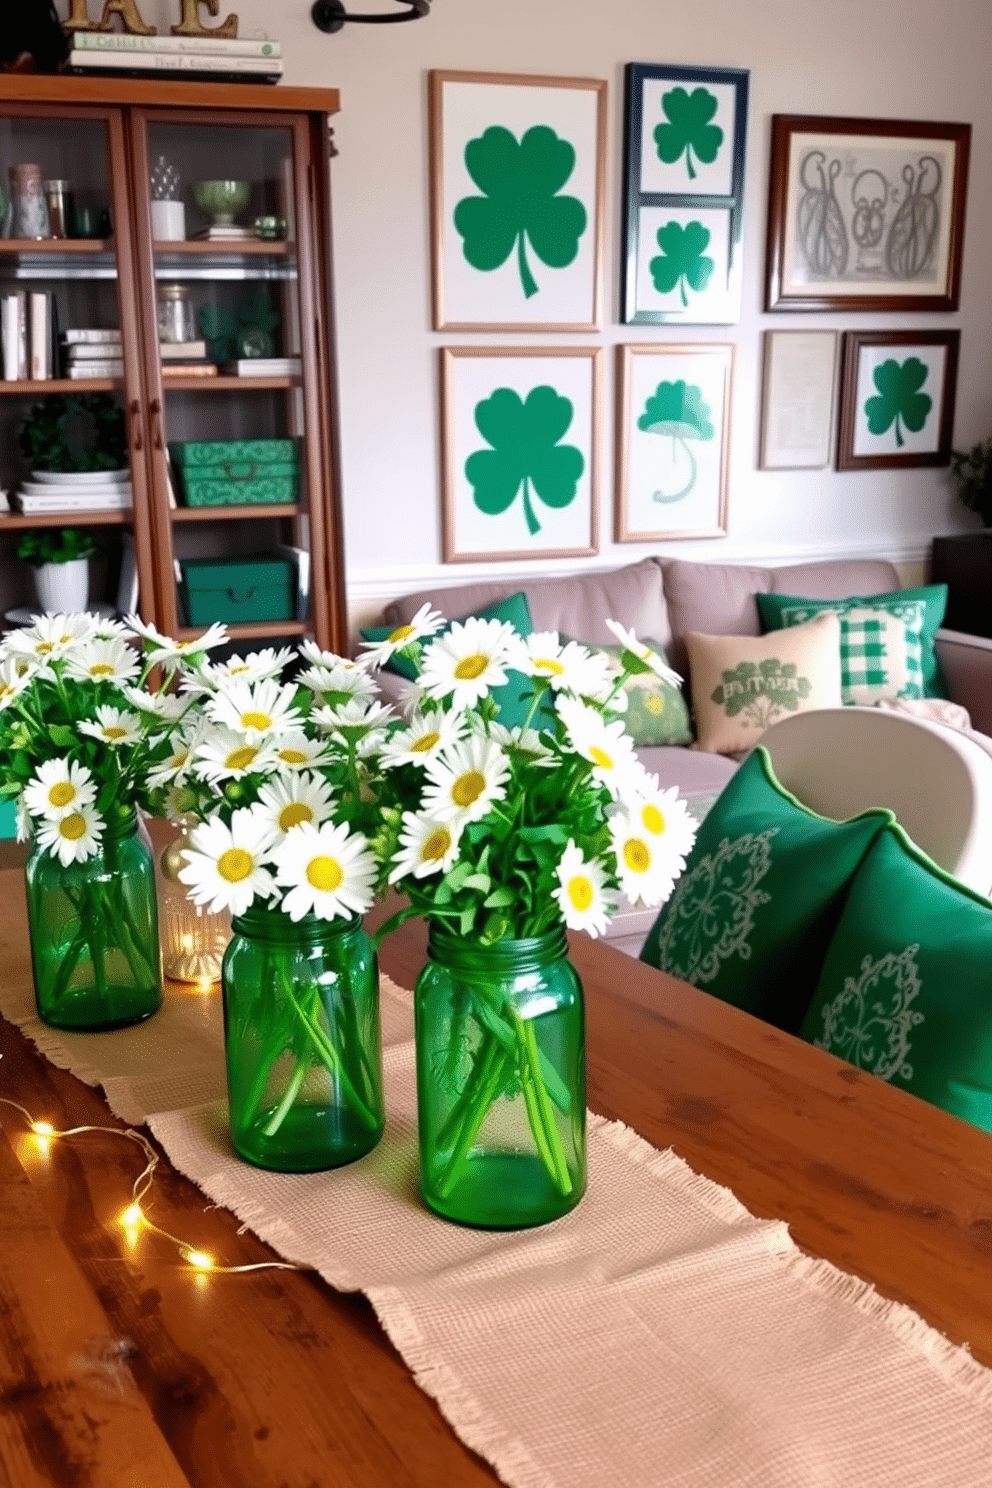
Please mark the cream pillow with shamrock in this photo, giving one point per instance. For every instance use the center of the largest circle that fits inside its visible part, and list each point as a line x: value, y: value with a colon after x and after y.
x: 743, y: 684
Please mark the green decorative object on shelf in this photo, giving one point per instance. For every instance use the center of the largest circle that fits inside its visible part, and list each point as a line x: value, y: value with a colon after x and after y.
x: 74, y: 432
x: 301, y: 1029
x: 223, y: 329
x: 238, y: 590
x: 41, y: 545
x: 236, y: 472
x: 221, y: 200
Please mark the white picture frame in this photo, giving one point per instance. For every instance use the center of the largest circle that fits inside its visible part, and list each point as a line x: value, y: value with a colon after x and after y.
x: 799, y: 383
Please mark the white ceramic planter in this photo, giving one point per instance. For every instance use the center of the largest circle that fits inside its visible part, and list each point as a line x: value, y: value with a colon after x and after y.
x: 63, y: 588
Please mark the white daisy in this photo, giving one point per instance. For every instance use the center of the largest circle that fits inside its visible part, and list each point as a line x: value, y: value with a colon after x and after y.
x: 424, y: 736
x: 312, y: 653
x: 225, y: 866
x: 75, y: 836
x: 259, y: 711
x: 664, y: 815
x: 426, y: 846
x: 608, y: 748
x: 649, y: 659
x: 175, y: 768
x: 582, y: 896
x: 354, y: 719
x: 106, y: 628
x: 257, y: 666
x: 162, y: 649
x: 113, y: 726
x: 465, y: 779
x: 222, y: 754
x: 525, y: 741
x: 165, y: 705
x: 327, y: 870
x: 337, y: 684
x: 565, y: 664
x: 14, y: 677
x: 646, y: 870
x: 296, y: 752
x: 426, y: 622
x: 291, y: 801
x: 49, y: 636
x: 465, y: 662
x: 25, y: 826
x: 59, y: 787
x: 103, y: 661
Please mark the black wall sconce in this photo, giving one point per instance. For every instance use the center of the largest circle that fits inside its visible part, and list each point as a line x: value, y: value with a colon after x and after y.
x: 330, y: 15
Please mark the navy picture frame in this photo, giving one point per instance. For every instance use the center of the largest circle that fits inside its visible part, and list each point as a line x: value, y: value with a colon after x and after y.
x: 720, y: 211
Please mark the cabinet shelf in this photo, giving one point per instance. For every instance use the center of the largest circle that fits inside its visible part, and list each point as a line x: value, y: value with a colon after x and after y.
x: 13, y: 521
x: 234, y: 513
x: 252, y: 632
x: 63, y: 385
x: 225, y: 384
x: 195, y: 247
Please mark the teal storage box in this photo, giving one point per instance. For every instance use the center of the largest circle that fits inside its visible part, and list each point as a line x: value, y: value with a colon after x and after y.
x: 236, y: 472
x: 238, y: 590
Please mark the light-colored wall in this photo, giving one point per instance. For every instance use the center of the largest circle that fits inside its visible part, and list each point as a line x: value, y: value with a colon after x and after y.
x: 902, y: 59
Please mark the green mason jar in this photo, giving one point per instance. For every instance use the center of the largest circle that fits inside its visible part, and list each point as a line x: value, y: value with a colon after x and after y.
x: 501, y: 1080
x: 303, y: 1042
x: 94, y: 933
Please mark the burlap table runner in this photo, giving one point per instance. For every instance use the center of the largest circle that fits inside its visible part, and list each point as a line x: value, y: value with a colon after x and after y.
x: 659, y: 1334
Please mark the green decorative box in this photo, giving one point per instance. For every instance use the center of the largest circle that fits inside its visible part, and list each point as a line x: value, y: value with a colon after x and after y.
x: 238, y: 590
x: 236, y: 472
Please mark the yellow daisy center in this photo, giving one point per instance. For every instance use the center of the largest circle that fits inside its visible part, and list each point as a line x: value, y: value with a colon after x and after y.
x: 653, y: 820
x: 61, y: 793
x: 292, y: 756
x: 425, y: 742
x: 235, y: 864
x: 601, y: 758
x: 636, y: 855
x: 468, y: 788
x: 256, y: 720
x: 324, y: 874
x: 113, y: 731
x: 548, y: 664
x: 291, y: 816
x: 178, y: 760
x: 43, y: 648
x: 5, y: 689
x: 65, y: 639
x: 579, y: 890
x: 436, y: 846
x: 236, y: 671
x: 399, y: 634
x: 73, y: 827
x: 471, y: 666
x: 240, y: 759
x: 101, y: 669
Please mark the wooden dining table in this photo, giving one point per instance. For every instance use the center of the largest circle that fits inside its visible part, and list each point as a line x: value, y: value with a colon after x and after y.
x: 122, y: 1368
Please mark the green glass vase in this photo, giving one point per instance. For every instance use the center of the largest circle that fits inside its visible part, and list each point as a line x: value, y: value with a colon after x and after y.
x: 501, y: 1087
x: 94, y: 933
x: 303, y: 1041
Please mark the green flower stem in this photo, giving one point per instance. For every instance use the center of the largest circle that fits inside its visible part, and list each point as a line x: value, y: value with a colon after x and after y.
x: 530, y: 1068
x: 329, y: 1056
x: 488, y: 1050
x: 68, y: 964
x: 259, y: 1083
x: 289, y: 1095
x: 526, y: 277
x: 478, y: 1110
x: 350, y: 1036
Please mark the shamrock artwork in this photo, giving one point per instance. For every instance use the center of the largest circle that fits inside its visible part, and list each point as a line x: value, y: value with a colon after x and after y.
x: 683, y: 262
x: 897, y: 409
x: 688, y: 135
x: 898, y: 401
x: 518, y: 452
x: 677, y: 414
x: 517, y: 201
x: 688, y: 128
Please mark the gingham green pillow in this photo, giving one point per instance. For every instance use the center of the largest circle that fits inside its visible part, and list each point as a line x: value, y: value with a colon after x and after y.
x: 881, y: 644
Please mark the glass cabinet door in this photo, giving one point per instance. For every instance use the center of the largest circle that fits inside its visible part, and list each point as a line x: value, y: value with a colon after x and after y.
x: 238, y: 428
x: 71, y: 440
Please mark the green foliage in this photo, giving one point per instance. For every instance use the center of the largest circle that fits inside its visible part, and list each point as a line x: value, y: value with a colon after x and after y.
x: 677, y: 408
x: 74, y: 431
x: 682, y: 261
x: 899, y: 397
x: 972, y: 469
x: 520, y: 182
x: 525, y: 452
x: 688, y: 128
x: 41, y: 545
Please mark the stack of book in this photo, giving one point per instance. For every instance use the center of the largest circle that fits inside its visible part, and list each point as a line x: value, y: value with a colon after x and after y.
x: 186, y: 359
x: 28, y: 328
x: 212, y: 58
x: 287, y: 366
x: 62, y: 491
x: 92, y: 353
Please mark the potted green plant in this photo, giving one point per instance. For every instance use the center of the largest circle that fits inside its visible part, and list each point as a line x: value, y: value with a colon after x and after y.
x: 58, y: 556
x: 972, y: 470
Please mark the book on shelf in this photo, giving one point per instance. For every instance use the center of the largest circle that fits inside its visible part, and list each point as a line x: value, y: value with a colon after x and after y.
x: 185, y: 64
x: 182, y: 351
x: 117, y: 41
x: 226, y: 234
x: 85, y: 335
x: 14, y: 333
x: 80, y: 371
x: 71, y: 501
x: 263, y: 367
x: 94, y: 351
x: 189, y: 369
x: 39, y: 336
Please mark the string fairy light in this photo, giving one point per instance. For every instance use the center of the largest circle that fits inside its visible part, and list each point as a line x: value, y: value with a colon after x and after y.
x: 133, y: 1220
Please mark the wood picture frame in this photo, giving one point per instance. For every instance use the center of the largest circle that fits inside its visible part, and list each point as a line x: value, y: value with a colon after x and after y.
x: 665, y: 490
x: 517, y: 166
x: 897, y: 410
x: 500, y: 401
x: 798, y: 393
x: 865, y: 214
x: 685, y: 135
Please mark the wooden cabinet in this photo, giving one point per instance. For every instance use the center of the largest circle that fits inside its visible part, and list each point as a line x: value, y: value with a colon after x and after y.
x: 249, y: 296
x: 964, y: 564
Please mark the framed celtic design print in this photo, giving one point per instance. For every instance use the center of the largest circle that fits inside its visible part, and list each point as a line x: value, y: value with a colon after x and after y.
x: 897, y: 398
x: 865, y: 214
x: 673, y: 441
x: 685, y: 135
x: 517, y: 168
x: 519, y: 452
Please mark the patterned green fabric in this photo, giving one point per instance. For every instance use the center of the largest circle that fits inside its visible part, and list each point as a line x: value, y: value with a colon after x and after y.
x: 657, y: 712
x: 905, y: 992
x: 866, y: 669
x: 752, y: 915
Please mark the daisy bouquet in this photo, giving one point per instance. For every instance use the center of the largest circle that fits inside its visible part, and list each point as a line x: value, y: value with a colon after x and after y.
x: 499, y: 834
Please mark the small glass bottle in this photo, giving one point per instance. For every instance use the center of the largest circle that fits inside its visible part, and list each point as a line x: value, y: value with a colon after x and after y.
x: 175, y: 313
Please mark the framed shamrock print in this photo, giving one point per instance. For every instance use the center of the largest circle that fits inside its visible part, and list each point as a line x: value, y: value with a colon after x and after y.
x: 685, y: 136
x: 519, y: 452
x: 897, y: 398
x: 517, y: 168
x: 673, y: 440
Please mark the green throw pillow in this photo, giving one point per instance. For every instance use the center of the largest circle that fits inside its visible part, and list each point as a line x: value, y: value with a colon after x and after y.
x: 864, y: 674
x: 657, y: 712
x: 751, y: 917
x: 511, y: 699
x: 904, y: 992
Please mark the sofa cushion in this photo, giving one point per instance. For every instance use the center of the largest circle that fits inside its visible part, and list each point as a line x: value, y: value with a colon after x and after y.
x: 904, y: 990
x: 741, y: 684
x: 690, y: 769
x: 656, y: 711
x: 751, y: 917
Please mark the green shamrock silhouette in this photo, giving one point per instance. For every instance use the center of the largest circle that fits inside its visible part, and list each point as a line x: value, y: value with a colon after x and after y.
x: 525, y: 452
x: 682, y: 260
x: 677, y: 408
x: 899, y: 397
x: 688, y: 128
x: 520, y: 182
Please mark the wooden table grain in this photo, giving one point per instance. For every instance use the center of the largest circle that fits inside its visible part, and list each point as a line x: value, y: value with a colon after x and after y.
x: 122, y: 1369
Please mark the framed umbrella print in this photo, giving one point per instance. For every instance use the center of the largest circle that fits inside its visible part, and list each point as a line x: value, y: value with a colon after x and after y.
x: 897, y: 399
x: 519, y: 452
x: 517, y: 201
x: 684, y: 153
x: 673, y: 441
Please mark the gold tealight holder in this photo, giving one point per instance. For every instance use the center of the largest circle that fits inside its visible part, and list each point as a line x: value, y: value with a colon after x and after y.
x: 193, y: 939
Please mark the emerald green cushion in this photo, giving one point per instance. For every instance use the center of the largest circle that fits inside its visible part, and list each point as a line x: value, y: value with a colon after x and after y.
x: 905, y: 992
x: 657, y: 712
x: 779, y: 610
x: 513, y: 697
x: 751, y: 917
